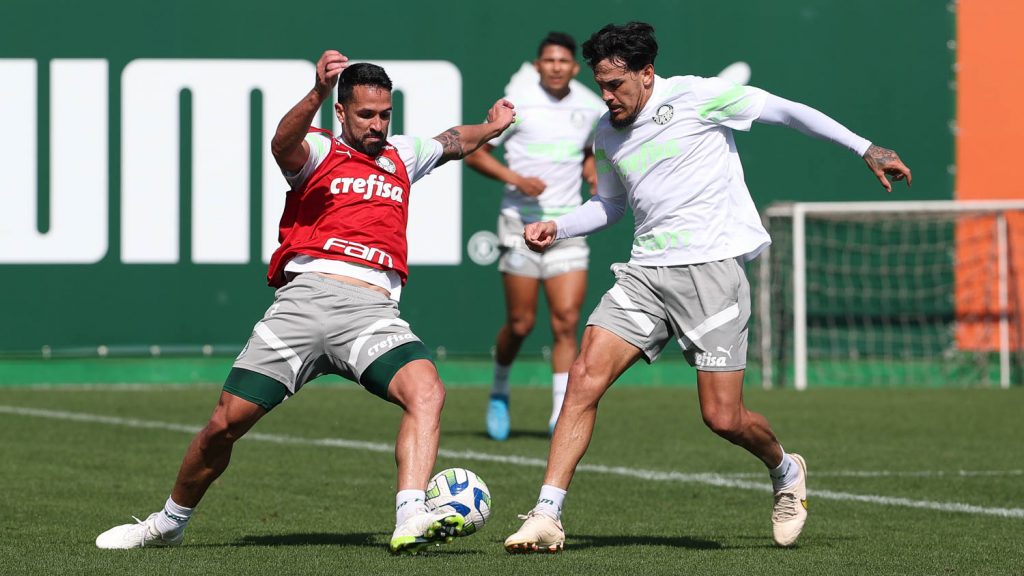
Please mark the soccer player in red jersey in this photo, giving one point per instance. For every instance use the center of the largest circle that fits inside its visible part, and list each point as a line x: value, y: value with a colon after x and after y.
x: 339, y: 271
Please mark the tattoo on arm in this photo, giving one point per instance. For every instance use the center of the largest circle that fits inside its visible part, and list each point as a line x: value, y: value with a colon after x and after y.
x: 451, y: 142
x: 877, y: 156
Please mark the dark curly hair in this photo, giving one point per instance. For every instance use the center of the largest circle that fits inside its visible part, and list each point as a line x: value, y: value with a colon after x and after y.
x: 361, y: 74
x: 632, y: 44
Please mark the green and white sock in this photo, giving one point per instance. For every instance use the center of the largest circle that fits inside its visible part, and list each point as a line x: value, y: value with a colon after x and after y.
x: 173, y: 518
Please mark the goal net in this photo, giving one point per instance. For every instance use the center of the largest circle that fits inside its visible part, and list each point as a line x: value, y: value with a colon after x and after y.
x: 891, y: 294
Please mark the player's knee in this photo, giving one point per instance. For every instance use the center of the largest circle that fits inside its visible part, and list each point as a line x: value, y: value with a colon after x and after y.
x: 564, y: 323
x: 220, y: 431
x: 425, y: 397
x: 579, y: 370
x: 418, y: 389
x: 726, y: 423
x: 586, y: 383
x: 521, y: 324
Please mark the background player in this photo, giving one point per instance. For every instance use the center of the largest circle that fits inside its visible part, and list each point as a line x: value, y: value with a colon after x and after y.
x: 548, y: 152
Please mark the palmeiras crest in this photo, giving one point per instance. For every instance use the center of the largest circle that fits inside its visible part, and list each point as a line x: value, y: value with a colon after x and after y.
x: 664, y: 115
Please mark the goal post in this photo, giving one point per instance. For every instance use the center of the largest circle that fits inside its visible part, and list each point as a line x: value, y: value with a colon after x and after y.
x: 891, y: 294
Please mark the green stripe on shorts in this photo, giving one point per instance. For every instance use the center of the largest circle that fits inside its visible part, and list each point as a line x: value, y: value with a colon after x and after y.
x: 378, y: 375
x: 257, y: 388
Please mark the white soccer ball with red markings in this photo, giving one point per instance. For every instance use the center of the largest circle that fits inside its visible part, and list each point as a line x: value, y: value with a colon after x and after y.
x: 465, y: 492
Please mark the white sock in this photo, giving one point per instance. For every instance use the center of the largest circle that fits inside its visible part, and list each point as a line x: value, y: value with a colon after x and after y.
x: 500, y: 387
x: 408, y: 503
x: 550, y: 501
x: 174, y: 518
x: 558, y: 382
x: 786, y: 474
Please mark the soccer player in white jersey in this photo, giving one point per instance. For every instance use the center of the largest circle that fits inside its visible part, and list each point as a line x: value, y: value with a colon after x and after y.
x: 549, y: 153
x: 666, y: 148
x: 340, y: 268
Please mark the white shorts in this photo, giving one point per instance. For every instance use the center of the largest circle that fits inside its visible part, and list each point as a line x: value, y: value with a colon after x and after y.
x: 560, y: 258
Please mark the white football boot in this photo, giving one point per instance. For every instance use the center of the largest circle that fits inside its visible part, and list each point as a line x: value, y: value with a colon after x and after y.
x: 539, y: 533
x: 138, y: 535
x: 790, y: 511
x: 439, y: 526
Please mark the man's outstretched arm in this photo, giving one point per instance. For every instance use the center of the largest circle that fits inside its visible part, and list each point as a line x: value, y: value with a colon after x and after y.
x: 807, y: 120
x: 460, y: 141
x: 592, y: 216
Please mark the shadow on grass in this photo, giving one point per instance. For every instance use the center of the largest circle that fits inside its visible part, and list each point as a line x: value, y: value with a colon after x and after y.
x: 365, y: 539
x: 584, y: 541
x: 816, y: 540
x: 375, y: 540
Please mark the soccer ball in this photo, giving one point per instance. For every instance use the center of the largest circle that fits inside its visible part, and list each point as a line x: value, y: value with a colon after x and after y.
x: 465, y: 492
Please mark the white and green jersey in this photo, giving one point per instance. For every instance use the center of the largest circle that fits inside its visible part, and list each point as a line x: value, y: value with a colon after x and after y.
x: 678, y: 166
x: 548, y: 141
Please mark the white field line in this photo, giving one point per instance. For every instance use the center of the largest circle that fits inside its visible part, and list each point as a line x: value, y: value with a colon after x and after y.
x: 652, y: 475
x: 895, y: 474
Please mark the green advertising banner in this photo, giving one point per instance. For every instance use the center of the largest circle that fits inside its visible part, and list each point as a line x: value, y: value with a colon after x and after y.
x: 139, y: 199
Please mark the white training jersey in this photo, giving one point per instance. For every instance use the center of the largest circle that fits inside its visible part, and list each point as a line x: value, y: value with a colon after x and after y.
x: 680, y: 171
x: 548, y: 141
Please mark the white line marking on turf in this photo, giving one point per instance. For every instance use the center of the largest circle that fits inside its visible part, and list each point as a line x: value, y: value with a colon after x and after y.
x: 894, y: 473
x: 705, y: 478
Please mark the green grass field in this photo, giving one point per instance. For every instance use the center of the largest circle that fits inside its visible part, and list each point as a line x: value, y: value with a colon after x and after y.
x: 901, y: 482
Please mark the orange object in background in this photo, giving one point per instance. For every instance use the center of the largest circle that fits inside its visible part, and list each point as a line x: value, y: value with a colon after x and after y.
x: 990, y: 128
x: 978, y: 308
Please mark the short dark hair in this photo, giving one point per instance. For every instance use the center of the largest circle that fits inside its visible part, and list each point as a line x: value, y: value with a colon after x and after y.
x: 361, y: 74
x: 557, y: 39
x: 633, y: 44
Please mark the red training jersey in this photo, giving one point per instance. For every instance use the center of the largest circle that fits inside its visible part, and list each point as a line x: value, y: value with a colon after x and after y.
x: 353, y: 207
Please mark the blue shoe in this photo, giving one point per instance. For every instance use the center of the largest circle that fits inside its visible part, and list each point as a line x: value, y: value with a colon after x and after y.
x: 497, y: 417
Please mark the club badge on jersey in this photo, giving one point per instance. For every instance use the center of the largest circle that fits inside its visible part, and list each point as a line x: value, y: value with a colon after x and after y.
x: 353, y: 207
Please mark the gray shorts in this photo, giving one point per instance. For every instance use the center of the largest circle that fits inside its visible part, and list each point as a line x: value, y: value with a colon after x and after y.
x: 562, y: 257
x: 318, y: 326
x: 704, y: 306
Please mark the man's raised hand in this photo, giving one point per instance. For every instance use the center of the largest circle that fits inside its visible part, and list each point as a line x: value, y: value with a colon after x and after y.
x: 331, y: 64
x: 503, y: 113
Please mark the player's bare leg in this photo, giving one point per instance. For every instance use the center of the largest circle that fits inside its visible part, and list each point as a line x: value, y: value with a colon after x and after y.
x: 417, y: 388
x: 209, y: 452
x: 603, y: 358
x: 520, y: 315
x: 721, y: 405
x: 565, y: 294
x: 205, y: 460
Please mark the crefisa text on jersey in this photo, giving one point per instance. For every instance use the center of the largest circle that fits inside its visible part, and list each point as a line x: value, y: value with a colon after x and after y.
x: 372, y: 186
